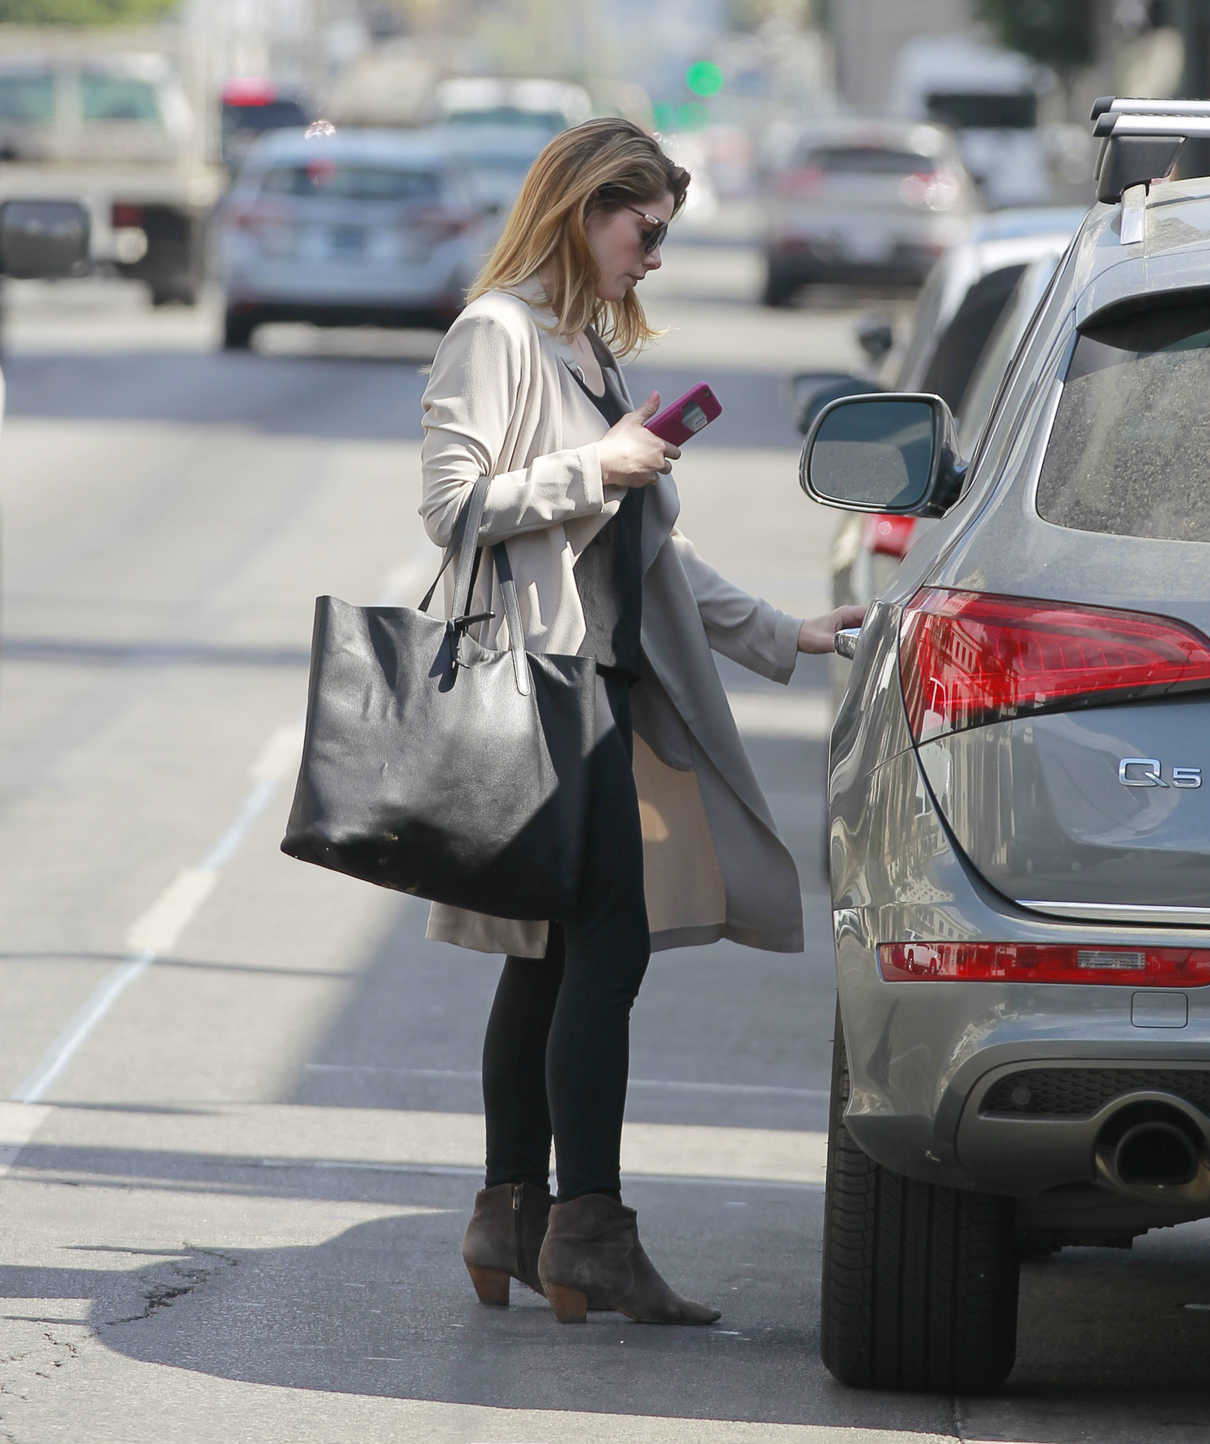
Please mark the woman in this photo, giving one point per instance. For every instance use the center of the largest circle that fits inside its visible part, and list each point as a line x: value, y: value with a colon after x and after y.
x: 681, y: 848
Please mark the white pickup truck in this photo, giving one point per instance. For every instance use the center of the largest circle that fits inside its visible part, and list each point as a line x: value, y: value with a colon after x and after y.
x: 115, y: 132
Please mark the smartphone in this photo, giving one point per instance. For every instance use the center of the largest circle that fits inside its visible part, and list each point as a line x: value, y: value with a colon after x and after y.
x: 686, y: 416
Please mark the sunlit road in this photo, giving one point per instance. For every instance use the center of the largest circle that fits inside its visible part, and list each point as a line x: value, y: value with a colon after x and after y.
x: 243, y: 1126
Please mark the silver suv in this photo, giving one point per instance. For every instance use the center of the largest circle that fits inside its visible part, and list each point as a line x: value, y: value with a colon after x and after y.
x: 1019, y: 826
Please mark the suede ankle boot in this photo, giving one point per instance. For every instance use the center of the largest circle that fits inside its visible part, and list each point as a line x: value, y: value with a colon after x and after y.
x: 503, y: 1238
x: 592, y: 1259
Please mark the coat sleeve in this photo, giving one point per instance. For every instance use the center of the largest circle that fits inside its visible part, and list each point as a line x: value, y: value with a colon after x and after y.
x: 742, y: 627
x: 482, y: 380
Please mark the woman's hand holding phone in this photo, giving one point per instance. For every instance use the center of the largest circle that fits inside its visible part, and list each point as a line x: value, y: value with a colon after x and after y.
x: 633, y: 456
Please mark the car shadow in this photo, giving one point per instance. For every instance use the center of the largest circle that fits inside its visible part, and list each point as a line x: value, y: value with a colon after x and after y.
x: 383, y: 1309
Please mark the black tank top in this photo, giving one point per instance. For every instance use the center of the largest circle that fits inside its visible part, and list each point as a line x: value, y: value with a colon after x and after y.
x: 609, y: 572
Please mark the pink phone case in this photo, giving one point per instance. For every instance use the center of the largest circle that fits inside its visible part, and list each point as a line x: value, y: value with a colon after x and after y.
x: 686, y: 416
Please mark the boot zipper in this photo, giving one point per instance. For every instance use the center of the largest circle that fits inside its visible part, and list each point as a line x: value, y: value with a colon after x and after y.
x: 517, y: 1232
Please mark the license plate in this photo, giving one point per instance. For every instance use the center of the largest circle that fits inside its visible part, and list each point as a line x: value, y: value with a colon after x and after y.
x: 347, y: 240
x: 867, y: 248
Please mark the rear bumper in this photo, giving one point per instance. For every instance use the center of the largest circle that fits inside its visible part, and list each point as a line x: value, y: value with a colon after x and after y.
x: 805, y: 261
x: 309, y: 290
x: 943, y: 1073
x: 991, y: 1125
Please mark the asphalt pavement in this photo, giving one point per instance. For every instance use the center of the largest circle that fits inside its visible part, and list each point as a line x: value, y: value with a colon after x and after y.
x: 242, y: 1130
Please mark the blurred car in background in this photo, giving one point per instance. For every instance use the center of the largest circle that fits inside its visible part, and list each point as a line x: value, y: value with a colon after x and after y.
x: 363, y: 227
x: 970, y: 314
x: 964, y: 296
x: 549, y: 105
x: 42, y: 239
x: 989, y: 98
x: 868, y: 548
x: 968, y: 317
x: 249, y: 109
x: 864, y: 202
x: 115, y: 130
x: 496, y: 160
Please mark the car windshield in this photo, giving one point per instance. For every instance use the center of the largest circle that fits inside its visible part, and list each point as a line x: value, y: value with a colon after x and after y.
x: 105, y: 95
x: 983, y: 110
x: 867, y: 160
x: 27, y: 95
x: 350, y: 181
x: 1129, y: 451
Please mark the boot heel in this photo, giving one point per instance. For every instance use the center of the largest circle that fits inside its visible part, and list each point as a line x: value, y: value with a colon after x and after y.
x: 490, y: 1284
x: 570, y: 1305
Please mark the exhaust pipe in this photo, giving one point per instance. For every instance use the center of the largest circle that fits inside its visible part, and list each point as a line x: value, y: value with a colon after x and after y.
x: 1151, y: 1146
x: 1155, y: 1153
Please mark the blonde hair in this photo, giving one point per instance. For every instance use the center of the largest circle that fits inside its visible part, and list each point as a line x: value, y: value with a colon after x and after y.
x: 601, y: 165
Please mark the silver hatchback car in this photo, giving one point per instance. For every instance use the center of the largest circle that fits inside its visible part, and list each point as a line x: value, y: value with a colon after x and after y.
x: 864, y: 201
x: 362, y: 227
x: 1019, y: 822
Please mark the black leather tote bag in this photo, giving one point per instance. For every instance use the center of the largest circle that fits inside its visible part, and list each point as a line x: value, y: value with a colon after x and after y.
x: 440, y: 767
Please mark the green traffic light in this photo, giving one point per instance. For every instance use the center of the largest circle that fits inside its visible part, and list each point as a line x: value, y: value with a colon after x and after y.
x: 704, y: 78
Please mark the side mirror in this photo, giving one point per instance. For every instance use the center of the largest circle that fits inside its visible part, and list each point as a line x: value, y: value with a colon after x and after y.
x: 43, y: 238
x: 890, y: 453
x: 875, y: 336
x: 811, y: 391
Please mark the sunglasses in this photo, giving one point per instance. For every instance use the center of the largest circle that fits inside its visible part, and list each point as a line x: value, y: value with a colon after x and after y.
x: 653, y: 238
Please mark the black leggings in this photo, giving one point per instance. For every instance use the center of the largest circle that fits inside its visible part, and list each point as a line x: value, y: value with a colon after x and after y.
x: 557, y: 1050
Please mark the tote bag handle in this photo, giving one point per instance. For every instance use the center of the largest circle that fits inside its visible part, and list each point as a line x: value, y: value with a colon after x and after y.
x: 464, y: 546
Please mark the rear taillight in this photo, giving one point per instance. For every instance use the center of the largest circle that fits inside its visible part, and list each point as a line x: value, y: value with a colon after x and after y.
x: 969, y: 658
x: 933, y: 190
x: 1044, y: 963
x: 802, y: 181
x: 260, y: 218
x: 887, y: 535
x: 124, y: 215
x: 441, y: 224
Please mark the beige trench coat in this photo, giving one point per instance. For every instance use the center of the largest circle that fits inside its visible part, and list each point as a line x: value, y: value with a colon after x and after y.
x: 501, y: 401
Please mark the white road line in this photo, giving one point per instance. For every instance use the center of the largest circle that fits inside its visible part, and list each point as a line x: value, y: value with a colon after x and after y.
x: 156, y: 931
x: 18, y: 1126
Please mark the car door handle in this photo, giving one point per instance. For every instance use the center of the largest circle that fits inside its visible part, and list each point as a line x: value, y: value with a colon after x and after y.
x: 844, y: 641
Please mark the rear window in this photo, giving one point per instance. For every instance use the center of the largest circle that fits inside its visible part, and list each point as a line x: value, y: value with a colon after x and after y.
x: 509, y: 115
x: 867, y: 160
x: 338, y: 180
x: 27, y: 95
x: 1129, y: 451
x: 979, y: 110
x: 269, y: 115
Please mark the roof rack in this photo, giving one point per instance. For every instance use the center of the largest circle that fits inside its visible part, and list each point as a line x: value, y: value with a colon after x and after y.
x: 1120, y: 105
x: 1142, y: 140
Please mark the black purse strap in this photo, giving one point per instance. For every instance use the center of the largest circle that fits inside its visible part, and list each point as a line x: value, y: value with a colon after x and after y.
x: 464, y: 546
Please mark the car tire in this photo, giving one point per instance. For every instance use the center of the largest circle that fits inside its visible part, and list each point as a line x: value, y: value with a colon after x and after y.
x: 238, y: 327
x: 778, y: 289
x: 919, y: 1287
x: 173, y: 293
